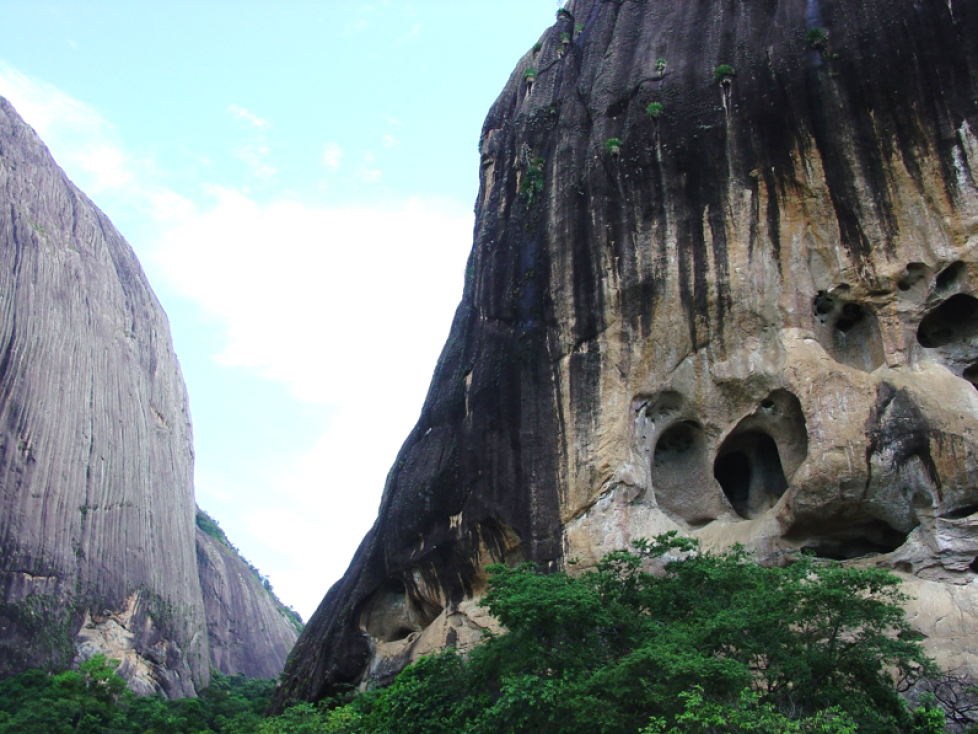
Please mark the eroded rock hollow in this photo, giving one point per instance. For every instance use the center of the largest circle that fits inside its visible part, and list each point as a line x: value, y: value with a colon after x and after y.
x: 724, y: 280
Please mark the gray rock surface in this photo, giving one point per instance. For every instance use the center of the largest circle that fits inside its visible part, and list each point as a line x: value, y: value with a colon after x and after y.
x: 97, y: 531
x: 249, y: 631
x: 755, y: 322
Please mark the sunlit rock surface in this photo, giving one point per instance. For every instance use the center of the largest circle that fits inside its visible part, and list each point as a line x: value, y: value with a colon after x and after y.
x: 757, y: 322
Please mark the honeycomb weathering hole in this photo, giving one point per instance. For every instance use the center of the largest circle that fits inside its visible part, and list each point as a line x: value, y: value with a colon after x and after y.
x: 748, y: 469
x: 858, y: 541
x: 849, y: 332
x: 955, y: 320
x: 681, y: 474
x: 393, y: 614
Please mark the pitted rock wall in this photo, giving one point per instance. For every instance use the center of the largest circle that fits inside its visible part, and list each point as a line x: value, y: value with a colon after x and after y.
x: 754, y: 322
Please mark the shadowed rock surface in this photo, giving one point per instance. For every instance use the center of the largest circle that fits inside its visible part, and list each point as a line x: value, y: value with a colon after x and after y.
x: 97, y: 529
x: 755, y: 322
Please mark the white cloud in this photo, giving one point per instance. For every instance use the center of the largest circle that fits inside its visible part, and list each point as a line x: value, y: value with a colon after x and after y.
x: 87, y: 144
x: 240, y: 113
x: 347, y: 308
x: 332, y: 155
x: 368, y: 175
x: 255, y: 152
x: 389, y: 141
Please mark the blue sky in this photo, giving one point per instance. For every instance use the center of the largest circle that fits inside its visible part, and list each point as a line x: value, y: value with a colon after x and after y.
x: 297, y: 179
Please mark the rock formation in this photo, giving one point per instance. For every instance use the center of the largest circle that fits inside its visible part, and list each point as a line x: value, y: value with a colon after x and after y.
x: 249, y: 631
x: 724, y: 281
x: 96, y: 460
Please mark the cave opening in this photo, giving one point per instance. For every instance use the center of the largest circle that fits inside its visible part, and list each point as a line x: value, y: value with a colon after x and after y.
x: 848, y: 331
x: 733, y: 473
x: 955, y: 320
x: 951, y: 276
x: 871, y: 538
x: 681, y: 474
x: 749, y: 471
x: 393, y: 613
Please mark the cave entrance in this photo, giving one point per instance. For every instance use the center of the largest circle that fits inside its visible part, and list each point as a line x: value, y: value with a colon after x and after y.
x: 748, y: 469
x: 955, y: 320
x: 681, y: 474
x: 393, y: 613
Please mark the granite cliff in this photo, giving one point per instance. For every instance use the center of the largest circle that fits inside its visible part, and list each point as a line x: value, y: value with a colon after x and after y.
x: 723, y: 281
x: 97, y: 530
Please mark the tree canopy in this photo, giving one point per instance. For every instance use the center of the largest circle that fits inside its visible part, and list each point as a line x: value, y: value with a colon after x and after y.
x: 658, y: 639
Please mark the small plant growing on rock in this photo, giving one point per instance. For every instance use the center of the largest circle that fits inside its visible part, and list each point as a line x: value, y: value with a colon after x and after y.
x: 613, y: 146
x: 579, y: 27
x: 724, y: 74
x: 654, y: 110
x: 817, y: 38
x: 565, y: 38
x: 530, y: 74
x: 536, y: 47
x: 660, y: 67
x: 564, y: 14
x: 531, y: 185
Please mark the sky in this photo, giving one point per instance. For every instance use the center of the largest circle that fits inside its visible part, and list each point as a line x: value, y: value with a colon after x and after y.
x: 298, y: 180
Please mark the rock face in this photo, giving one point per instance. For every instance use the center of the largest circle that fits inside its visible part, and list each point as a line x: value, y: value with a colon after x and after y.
x: 96, y: 460
x: 249, y: 631
x: 749, y: 314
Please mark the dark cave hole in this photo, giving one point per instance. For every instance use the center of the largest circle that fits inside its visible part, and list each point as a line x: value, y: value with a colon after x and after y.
x: 955, y: 320
x: 748, y: 469
x: 392, y: 614
x: 677, y: 440
x: 868, y: 539
x: 733, y: 473
x: 844, y: 550
x: 974, y: 565
x: 962, y: 512
x: 823, y: 305
x: 851, y: 315
x: 913, y: 274
x: 951, y: 275
x: 971, y: 374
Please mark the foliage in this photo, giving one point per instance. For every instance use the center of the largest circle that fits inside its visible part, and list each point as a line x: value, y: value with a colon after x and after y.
x: 565, y: 37
x: 710, y: 643
x: 211, y: 527
x: 530, y: 74
x: 536, y: 47
x: 613, y: 146
x: 579, y: 27
x: 531, y: 184
x: 724, y: 73
x: 817, y: 38
x: 660, y: 66
x: 94, y: 700
x: 654, y: 110
x: 660, y: 639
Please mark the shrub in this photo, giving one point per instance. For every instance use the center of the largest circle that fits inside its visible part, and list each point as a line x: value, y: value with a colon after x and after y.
x: 724, y: 73
x: 654, y: 109
x: 613, y: 146
x: 817, y: 38
x: 660, y: 66
x: 530, y: 74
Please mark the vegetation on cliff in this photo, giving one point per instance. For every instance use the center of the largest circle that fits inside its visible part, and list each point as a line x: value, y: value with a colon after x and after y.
x: 659, y: 639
